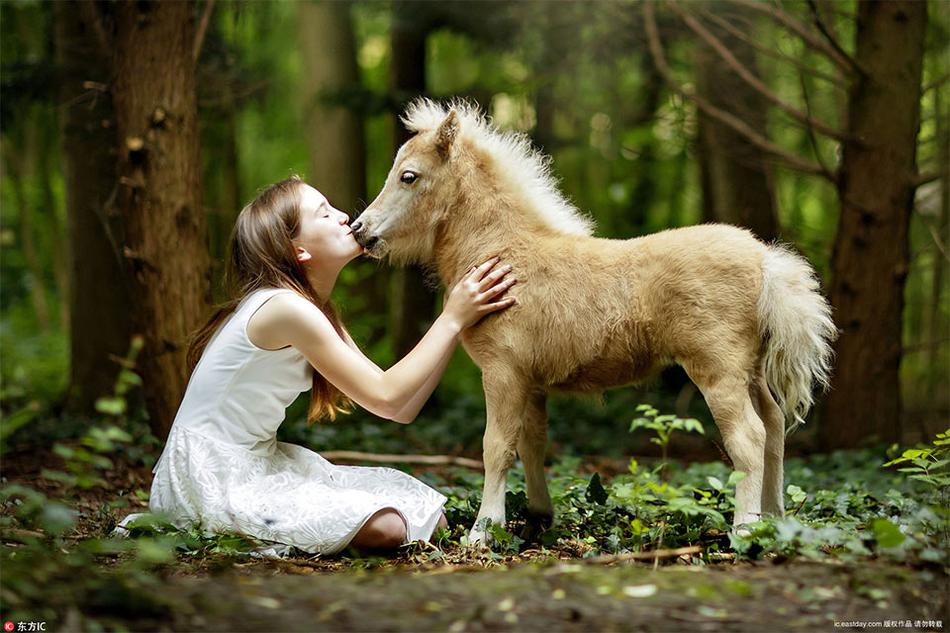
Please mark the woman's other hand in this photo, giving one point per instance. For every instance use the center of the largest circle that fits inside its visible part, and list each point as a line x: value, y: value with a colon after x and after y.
x: 477, y: 293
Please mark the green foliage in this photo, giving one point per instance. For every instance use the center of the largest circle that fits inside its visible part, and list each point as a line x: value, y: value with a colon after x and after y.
x: 929, y: 464
x: 663, y: 425
x: 40, y: 574
x: 85, y: 461
x: 842, y: 505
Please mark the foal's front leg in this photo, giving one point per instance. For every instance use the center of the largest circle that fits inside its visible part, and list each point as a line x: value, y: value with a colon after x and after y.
x: 505, y: 402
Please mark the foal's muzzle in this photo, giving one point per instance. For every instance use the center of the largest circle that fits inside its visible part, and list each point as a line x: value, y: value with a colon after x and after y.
x: 362, y: 236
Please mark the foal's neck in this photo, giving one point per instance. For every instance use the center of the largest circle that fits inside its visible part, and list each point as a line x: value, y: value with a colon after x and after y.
x: 479, y: 227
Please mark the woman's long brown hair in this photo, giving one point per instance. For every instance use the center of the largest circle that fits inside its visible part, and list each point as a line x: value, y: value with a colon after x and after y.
x: 262, y: 256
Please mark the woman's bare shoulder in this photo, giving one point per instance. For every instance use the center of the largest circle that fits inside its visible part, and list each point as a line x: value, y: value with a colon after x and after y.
x: 268, y: 326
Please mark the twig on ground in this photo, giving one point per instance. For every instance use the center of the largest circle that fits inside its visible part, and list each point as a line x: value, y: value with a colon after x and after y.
x: 653, y: 556
x: 438, y: 460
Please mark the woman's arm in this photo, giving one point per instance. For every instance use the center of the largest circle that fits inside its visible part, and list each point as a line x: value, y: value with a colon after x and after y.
x: 408, y: 413
x: 400, y: 391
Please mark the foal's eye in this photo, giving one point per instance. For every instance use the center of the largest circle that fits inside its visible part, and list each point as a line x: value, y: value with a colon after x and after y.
x: 408, y: 177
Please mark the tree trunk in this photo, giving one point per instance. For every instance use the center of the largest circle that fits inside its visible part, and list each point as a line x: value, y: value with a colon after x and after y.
x: 58, y: 254
x: 736, y: 182
x: 334, y: 132
x: 220, y: 176
x: 98, y: 302
x: 644, y: 191
x: 870, y: 259
x: 164, y: 240
x: 18, y: 162
x: 413, y: 302
x: 937, y: 326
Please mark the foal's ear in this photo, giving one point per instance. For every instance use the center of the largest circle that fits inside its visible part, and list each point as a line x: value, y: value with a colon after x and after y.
x: 445, y: 135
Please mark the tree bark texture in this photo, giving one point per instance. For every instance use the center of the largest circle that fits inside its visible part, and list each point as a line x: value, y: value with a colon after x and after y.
x: 871, y: 253
x: 164, y: 241
x: 99, y: 324
x: 736, y: 181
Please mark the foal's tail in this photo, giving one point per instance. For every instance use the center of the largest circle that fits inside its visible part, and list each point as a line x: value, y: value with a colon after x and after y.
x: 795, y: 321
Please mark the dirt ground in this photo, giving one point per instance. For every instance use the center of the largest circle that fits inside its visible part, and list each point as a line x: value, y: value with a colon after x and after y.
x: 556, y: 596
x: 425, y: 590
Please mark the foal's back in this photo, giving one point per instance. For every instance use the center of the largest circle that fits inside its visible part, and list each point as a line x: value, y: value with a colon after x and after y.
x: 595, y: 313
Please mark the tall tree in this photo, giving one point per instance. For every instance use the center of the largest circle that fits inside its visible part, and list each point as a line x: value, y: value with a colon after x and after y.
x: 736, y: 181
x: 875, y: 179
x: 163, y: 239
x: 19, y: 163
x: 225, y: 83
x: 876, y: 186
x: 413, y: 301
x: 334, y: 131
x: 98, y: 301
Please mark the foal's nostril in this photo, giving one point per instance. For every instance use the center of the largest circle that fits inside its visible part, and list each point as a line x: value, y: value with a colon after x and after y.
x: 356, y: 226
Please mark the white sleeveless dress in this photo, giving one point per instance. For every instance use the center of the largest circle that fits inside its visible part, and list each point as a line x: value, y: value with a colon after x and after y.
x: 223, y: 469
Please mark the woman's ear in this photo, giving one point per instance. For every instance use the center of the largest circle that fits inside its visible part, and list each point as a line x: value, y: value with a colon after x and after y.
x: 303, y: 255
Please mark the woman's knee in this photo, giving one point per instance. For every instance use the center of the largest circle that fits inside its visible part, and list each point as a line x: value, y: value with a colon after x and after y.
x: 384, y: 530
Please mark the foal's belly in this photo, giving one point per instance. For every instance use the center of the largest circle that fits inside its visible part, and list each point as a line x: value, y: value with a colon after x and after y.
x: 605, y: 373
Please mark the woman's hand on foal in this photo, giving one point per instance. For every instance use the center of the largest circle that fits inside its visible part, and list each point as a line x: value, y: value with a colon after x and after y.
x: 476, y: 294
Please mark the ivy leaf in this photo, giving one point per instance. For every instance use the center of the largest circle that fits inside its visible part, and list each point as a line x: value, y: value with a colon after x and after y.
x: 111, y: 406
x: 796, y: 494
x: 595, y: 490
x: 886, y: 533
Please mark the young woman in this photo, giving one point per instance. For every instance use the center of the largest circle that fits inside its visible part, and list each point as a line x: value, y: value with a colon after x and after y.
x: 222, y: 467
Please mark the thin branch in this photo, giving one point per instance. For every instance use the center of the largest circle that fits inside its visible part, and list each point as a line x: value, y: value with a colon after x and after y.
x: 202, y: 29
x: 834, y: 80
x: 750, y: 78
x: 832, y: 41
x: 936, y: 83
x: 936, y: 238
x: 845, y: 62
x: 808, y: 129
x: 796, y: 162
x: 925, y: 346
x: 437, y: 460
x: 927, y: 177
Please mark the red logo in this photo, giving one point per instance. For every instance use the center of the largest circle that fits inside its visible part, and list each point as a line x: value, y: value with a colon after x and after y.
x: 8, y: 626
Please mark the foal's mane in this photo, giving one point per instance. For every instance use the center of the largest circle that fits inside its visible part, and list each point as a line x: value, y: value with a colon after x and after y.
x: 528, y: 170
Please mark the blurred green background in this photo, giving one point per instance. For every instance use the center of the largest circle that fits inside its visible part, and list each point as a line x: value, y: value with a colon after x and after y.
x: 578, y: 77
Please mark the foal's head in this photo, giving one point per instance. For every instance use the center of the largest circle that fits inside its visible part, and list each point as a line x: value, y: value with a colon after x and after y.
x: 456, y: 161
x: 419, y: 190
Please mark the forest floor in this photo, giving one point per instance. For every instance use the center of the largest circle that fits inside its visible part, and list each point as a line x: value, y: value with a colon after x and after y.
x: 295, y: 595
x: 453, y: 588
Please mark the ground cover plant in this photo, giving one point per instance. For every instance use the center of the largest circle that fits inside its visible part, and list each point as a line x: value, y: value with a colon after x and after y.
x: 868, y: 526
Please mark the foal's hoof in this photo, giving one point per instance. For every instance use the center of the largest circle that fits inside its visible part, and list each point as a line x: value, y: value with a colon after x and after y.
x: 478, y: 539
x: 535, y: 525
x: 742, y: 522
x: 539, y: 519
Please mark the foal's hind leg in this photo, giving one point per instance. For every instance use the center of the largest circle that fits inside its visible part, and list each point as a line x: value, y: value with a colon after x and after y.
x: 505, y: 401
x: 773, y: 500
x: 531, y: 448
x: 743, y: 434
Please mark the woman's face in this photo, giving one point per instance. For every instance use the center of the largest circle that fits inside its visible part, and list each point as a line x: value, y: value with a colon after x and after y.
x: 325, y: 234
